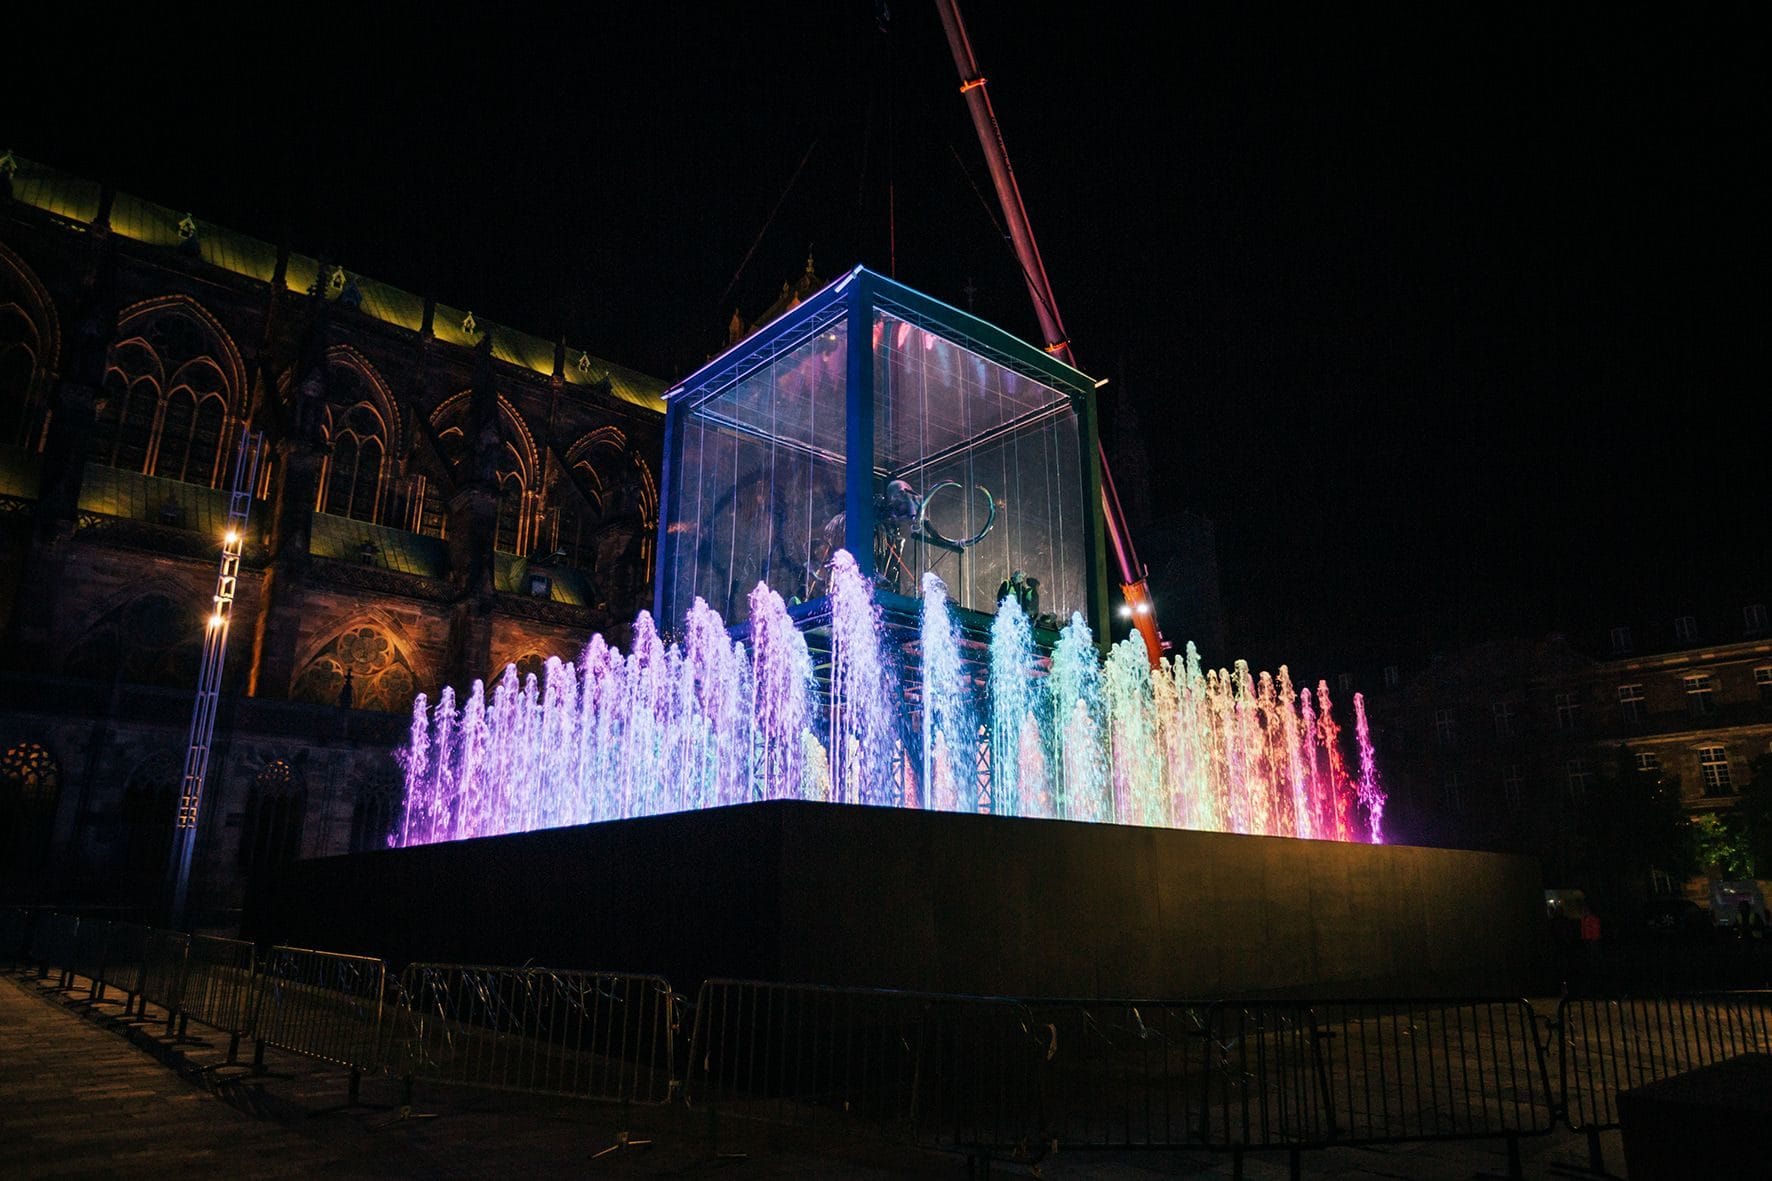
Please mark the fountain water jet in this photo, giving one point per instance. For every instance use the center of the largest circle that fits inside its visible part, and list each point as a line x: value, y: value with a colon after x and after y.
x: 708, y: 722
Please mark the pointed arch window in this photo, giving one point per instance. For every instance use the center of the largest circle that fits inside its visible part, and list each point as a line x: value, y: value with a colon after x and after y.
x: 30, y: 788
x: 510, y: 512
x: 511, y: 468
x: 30, y: 338
x: 132, y: 402
x: 170, y: 378
x: 353, y: 484
x: 18, y: 369
x: 190, y: 437
x: 376, y: 809
x: 150, y: 801
x: 361, y: 425
x: 276, y: 809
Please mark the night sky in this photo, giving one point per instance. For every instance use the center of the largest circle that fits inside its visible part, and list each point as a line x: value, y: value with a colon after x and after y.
x: 1453, y: 321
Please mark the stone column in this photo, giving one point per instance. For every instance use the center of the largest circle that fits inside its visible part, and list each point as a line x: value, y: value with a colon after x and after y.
x: 74, y: 406
x: 473, y: 530
x: 300, y: 448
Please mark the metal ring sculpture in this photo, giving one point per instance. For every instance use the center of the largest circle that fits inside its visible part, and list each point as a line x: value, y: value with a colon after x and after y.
x: 933, y: 536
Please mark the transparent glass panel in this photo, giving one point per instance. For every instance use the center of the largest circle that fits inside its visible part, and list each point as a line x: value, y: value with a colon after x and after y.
x: 978, y: 476
x: 757, y: 490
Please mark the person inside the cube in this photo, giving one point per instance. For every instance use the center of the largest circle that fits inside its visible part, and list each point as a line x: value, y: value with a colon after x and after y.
x: 900, y: 517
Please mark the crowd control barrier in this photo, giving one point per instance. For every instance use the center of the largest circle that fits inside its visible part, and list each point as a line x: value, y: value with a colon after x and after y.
x: 16, y: 926
x: 1405, y: 1070
x: 981, y: 1075
x: 120, y: 965
x: 1024, y: 1077
x: 1607, y: 1046
x: 589, y: 1035
x: 217, y: 988
x: 163, y: 969
x: 834, y: 1059
x: 88, y: 959
x: 53, y: 946
x: 323, y: 1005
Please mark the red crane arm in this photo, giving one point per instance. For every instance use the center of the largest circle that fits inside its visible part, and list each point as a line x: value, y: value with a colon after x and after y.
x: 1133, y: 576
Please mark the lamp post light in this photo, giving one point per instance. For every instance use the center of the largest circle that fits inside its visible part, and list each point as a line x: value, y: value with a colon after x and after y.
x: 215, y: 650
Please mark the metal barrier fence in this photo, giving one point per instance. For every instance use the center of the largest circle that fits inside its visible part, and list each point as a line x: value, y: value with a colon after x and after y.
x: 217, y: 988
x: 1265, y: 1083
x: 16, y: 926
x: 323, y: 1005
x: 975, y: 1074
x: 88, y: 959
x: 827, y: 1058
x: 121, y: 964
x: 1432, y: 1070
x: 1024, y: 1076
x: 162, y: 972
x: 52, y: 945
x: 590, y: 1035
x: 1608, y: 1046
x: 984, y: 1074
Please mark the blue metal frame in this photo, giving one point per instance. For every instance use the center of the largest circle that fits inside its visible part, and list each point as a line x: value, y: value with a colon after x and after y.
x: 855, y: 297
x: 858, y: 426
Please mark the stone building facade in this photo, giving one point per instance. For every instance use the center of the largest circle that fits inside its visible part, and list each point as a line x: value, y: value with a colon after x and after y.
x: 439, y: 496
x: 1499, y: 745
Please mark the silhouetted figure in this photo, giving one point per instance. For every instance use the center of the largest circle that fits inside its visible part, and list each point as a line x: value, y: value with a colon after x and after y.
x: 1024, y: 590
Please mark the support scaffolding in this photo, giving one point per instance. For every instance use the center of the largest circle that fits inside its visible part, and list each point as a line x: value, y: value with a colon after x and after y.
x: 215, y: 649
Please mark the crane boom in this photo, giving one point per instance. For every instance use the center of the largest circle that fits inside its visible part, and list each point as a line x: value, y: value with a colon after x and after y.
x: 1134, y: 584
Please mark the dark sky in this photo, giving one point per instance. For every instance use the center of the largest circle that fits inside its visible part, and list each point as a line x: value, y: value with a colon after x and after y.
x: 1443, y: 315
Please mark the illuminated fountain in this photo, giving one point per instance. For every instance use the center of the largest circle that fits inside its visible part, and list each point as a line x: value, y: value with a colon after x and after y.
x: 880, y: 567
x: 711, y: 722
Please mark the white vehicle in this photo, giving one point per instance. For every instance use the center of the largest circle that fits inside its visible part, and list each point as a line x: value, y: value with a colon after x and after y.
x: 1726, y: 899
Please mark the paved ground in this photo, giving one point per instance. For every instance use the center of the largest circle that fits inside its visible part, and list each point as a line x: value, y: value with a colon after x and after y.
x: 84, y: 1093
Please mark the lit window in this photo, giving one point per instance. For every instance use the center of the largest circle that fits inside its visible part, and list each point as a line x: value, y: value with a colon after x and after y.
x: 1510, y: 787
x: 1631, y: 704
x: 1763, y: 679
x: 1503, y: 712
x: 1713, y: 768
x: 1390, y: 676
x: 1648, y: 760
x: 1454, y: 786
x: 1576, y: 776
x: 1686, y: 629
x: 1753, y: 618
x: 1621, y: 641
x: 1445, y: 728
x: 1566, y: 709
x: 1700, y: 695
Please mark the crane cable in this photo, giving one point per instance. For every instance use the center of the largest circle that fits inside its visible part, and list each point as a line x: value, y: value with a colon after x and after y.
x: 767, y: 222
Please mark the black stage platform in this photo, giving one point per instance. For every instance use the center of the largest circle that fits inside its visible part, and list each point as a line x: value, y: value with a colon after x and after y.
x: 893, y: 898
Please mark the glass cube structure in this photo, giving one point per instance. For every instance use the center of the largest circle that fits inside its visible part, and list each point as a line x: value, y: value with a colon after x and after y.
x: 873, y: 418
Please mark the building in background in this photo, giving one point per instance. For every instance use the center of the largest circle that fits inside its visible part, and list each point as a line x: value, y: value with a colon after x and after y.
x: 1503, y: 745
x: 441, y: 497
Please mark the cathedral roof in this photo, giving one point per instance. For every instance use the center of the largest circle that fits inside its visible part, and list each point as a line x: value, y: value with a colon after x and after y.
x: 344, y: 539
x: 114, y: 492
x: 79, y: 201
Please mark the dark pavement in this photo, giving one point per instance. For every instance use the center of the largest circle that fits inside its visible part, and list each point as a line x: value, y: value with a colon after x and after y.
x: 84, y: 1093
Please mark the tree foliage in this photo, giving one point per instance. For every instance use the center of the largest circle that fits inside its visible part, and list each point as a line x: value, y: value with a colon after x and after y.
x: 1636, y: 824
x: 1755, y: 811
